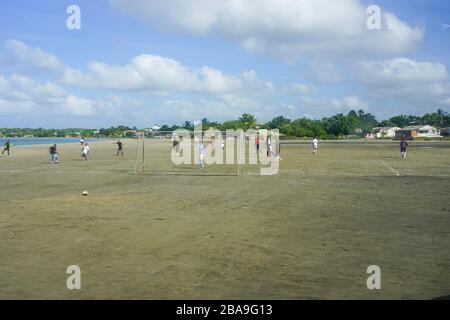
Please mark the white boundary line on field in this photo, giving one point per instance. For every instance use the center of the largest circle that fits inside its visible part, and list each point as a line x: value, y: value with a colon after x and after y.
x: 392, y: 169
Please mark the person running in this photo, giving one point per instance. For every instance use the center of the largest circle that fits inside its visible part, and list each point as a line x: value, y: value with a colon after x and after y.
x: 53, y: 154
x: 403, y: 146
x: 119, y: 147
x: 176, y: 145
x: 315, y: 145
x: 85, y: 151
x: 201, y: 149
x: 6, y: 148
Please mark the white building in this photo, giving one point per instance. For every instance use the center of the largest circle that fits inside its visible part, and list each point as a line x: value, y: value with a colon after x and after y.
x: 417, y: 132
x: 384, y: 132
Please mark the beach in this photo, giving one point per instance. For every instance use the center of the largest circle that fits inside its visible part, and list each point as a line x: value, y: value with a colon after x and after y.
x: 309, y: 232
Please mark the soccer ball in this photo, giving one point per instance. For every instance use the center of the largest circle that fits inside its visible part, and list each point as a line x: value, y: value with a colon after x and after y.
x: 85, y: 193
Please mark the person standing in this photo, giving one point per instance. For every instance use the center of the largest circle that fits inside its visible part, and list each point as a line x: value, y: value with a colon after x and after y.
x: 85, y: 151
x: 53, y: 154
x: 7, y: 146
x: 315, y: 145
x: 403, y: 146
x: 269, y: 146
x: 119, y: 147
x: 176, y: 144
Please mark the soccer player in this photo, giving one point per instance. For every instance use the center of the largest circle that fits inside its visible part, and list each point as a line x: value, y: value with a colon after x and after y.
x: 85, y: 151
x: 403, y: 146
x: 315, y: 145
x: 119, y: 147
x: 53, y: 154
x: 7, y: 147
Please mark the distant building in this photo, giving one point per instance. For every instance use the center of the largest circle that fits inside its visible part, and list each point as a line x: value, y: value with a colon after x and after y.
x: 384, y: 132
x: 445, y: 131
x: 131, y: 133
x: 412, y: 132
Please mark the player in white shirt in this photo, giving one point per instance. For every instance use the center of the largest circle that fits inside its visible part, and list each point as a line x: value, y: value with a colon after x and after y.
x: 269, y: 146
x: 85, y: 151
x: 315, y: 145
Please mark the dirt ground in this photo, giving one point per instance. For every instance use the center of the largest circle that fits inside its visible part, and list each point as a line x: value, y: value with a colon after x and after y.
x: 309, y: 232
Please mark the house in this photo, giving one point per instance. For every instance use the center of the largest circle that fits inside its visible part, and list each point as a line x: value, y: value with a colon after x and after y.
x: 421, y: 131
x: 384, y: 132
x: 445, y: 131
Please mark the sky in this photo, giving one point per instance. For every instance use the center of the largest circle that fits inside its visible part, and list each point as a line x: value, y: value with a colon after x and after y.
x: 141, y: 62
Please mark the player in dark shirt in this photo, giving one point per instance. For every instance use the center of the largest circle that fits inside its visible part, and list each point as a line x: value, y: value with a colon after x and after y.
x: 119, y: 147
x: 7, y: 147
x: 403, y: 146
x: 53, y: 154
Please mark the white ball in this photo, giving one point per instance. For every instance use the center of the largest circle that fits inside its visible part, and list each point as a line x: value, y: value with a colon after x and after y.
x: 85, y: 193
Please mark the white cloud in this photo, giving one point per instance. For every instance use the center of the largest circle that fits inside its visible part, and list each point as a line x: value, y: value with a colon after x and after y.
x: 406, y: 80
x: 284, y: 28
x: 402, y: 72
x: 78, y: 106
x: 23, y: 88
x: 33, y: 57
x: 22, y: 95
x: 152, y: 73
x: 349, y: 103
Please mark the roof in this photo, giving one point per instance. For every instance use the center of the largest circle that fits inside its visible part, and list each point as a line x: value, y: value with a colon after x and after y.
x: 381, y: 129
x: 417, y: 127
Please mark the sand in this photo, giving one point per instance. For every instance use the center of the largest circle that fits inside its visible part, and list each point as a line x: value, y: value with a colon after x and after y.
x: 309, y: 232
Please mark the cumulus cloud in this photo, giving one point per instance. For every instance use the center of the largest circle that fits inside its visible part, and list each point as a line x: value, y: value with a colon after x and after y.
x: 284, y: 28
x: 152, y: 73
x: 78, y: 106
x: 408, y: 79
x: 23, y: 95
x: 23, y: 88
x: 34, y: 58
x: 349, y: 103
x: 402, y: 72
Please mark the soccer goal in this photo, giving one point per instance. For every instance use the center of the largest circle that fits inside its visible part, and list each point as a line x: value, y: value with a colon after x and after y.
x: 182, y: 154
x: 205, y: 153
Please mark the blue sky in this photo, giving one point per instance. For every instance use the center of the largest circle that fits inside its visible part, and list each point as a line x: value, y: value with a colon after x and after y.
x: 138, y: 62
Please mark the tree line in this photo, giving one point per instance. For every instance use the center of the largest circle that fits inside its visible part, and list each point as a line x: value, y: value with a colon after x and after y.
x: 354, y: 123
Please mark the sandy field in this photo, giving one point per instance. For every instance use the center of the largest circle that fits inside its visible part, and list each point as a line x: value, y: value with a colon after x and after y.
x: 309, y: 232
